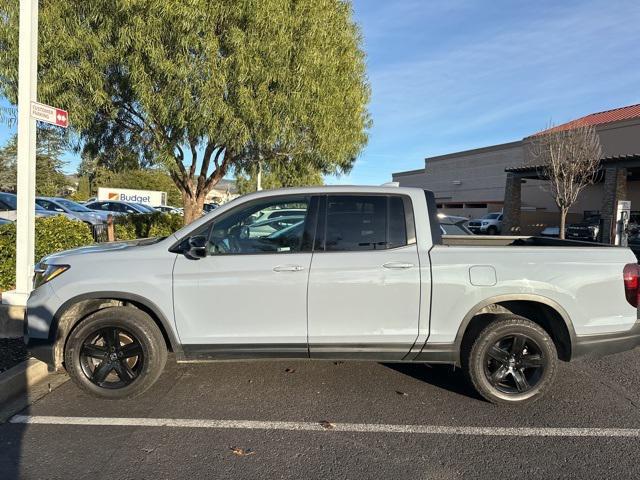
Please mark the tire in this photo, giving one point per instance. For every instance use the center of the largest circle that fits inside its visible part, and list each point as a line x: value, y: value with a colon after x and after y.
x: 492, y: 230
x: 115, y: 353
x: 513, y: 361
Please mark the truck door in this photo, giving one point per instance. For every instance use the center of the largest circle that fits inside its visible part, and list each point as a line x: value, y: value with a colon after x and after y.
x: 248, y: 296
x: 364, y: 283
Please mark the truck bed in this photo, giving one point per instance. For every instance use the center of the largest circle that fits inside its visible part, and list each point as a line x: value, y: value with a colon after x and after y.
x: 515, y: 241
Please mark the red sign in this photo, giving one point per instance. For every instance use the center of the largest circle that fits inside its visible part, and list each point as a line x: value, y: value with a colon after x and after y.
x: 48, y: 114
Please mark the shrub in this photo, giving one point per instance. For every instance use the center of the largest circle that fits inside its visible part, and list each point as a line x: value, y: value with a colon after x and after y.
x: 133, y: 226
x: 53, y: 234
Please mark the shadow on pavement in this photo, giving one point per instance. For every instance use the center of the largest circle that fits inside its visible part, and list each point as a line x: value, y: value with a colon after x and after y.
x: 441, y: 376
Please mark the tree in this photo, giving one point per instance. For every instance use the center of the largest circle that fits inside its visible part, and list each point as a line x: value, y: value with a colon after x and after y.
x: 570, y: 161
x: 49, y: 177
x: 202, y: 87
x: 278, y: 174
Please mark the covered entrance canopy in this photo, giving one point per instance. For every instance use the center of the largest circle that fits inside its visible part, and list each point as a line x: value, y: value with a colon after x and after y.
x: 616, y: 171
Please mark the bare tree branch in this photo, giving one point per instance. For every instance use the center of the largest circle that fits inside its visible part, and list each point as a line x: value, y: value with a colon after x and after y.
x: 570, y: 161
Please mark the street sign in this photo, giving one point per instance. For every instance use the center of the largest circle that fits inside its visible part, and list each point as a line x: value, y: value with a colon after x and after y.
x: 54, y: 116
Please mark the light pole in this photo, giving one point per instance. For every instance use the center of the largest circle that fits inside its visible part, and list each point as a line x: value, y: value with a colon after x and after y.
x: 26, y: 182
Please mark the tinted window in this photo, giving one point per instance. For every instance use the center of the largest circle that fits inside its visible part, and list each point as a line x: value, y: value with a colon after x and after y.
x: 249, y: 230
x: 47, y: 205
x: 365, y: 223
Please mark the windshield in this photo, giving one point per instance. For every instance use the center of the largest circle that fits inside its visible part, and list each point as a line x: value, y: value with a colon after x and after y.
x: 144, y: 208
x: 72, y: 206
x: 492, y: 216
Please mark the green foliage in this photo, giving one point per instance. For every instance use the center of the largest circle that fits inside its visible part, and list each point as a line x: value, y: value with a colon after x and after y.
x: 278, y: 174
x: 53, y: 234
x: 130, y: 227
x: 49, y: 177
x: 202, y: 86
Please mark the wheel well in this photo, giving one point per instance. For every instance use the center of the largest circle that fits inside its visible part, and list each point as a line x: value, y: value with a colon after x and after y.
x: 544, y: 315
x: 78, y: 311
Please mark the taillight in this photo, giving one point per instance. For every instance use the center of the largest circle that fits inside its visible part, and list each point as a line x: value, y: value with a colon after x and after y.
x: 632, y: 283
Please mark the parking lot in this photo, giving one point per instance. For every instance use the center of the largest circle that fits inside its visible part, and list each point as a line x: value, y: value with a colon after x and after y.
x: 332, y: 420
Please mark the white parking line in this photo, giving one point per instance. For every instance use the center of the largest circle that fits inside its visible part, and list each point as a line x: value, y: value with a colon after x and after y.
x: 338, y: 427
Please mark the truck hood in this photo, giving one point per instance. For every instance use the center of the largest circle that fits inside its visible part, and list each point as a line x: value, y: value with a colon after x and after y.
x: 100, y: 248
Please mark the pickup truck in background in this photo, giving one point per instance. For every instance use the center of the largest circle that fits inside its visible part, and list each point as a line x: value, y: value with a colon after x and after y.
x: 363, y: 273
x: 490, y: 224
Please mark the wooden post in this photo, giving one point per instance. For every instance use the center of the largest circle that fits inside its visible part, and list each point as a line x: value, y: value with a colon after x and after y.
x: 111, y: 234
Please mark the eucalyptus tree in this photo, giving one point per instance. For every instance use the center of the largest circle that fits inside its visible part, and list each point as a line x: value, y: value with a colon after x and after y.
x: 202, y: 86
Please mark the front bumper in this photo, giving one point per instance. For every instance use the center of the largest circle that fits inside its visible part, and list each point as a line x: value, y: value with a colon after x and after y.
x: 606, y: 344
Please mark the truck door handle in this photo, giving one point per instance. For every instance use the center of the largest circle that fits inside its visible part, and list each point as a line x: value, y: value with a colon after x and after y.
x: 398, y: 265
x: 288, y: 268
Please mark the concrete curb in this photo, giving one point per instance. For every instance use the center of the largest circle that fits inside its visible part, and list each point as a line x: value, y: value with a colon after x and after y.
x: 20, y: 378
x: 11, y: 321
x: 25, y: 384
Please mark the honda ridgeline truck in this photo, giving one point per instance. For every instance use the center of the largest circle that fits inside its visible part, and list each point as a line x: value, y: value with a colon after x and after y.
x: 362, y: 274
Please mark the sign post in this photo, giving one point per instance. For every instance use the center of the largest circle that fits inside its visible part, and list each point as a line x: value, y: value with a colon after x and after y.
x: 26, y: 181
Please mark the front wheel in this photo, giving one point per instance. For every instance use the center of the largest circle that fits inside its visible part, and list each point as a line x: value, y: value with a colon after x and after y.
x: 513, y: 361
x: 117, y: 352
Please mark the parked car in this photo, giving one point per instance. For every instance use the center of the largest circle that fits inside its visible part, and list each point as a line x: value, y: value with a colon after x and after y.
x: 366, y: 276
x: 451, y: 225
x: 80, y: 212
x: 586, y: 230
x: 550, y: 232
x: 168, y: 209
x: 269, y: 226
x: 144, y: 207
x: 209, y: 207
x: 116, y: 207
x: 9, y: 208
x: 490, y: 224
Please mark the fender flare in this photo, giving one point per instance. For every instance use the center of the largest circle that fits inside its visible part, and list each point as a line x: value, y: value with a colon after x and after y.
x: 527, y: 297
x: 166, y: 325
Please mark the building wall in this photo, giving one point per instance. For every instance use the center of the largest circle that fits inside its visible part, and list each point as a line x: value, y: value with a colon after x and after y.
x: 481, y: 175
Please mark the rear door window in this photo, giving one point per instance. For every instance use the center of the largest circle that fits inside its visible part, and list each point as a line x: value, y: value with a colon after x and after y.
x: 363, y: 222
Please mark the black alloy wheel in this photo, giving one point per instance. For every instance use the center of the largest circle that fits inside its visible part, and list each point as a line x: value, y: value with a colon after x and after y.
x: 111, y: 357
x: 512, y: 360
x: 117, y: 352
x: 514, y: 364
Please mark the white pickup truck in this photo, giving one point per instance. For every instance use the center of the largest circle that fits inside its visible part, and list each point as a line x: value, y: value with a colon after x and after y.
x: 362, y: 274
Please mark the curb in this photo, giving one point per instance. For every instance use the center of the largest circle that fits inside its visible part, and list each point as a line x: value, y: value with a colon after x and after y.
x: 25, y: 384
x: 19, y: 379
x: 11, y: 321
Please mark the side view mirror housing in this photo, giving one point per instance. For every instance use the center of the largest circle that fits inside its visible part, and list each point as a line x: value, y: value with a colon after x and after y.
x: 197, y: 247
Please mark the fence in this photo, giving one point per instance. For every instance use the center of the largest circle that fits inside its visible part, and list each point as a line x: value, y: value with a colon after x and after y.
x: 103, y: 232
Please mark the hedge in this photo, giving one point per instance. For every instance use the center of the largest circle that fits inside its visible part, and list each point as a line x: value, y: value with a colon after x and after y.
x: 137, y: 225
x: 53, y: 234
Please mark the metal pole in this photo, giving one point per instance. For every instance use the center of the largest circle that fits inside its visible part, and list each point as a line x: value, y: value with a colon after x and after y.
x: 26, y: 182
x: 259, y: 176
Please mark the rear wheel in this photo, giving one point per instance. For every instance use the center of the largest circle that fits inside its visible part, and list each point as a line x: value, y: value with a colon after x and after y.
x: 513, y: 361
x: 118, y: 352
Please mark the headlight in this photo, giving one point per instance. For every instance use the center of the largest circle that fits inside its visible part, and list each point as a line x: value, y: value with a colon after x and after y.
x: 484, y: 224
x: 45, y: 273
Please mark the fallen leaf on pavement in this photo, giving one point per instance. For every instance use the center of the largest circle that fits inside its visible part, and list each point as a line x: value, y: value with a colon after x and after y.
x: 338, y: 363
x: 327, y: 425
x: 404, y: 394
x: 290, y: 370
x: 241, y: 452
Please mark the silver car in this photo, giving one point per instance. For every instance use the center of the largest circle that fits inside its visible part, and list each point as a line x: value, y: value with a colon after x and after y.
x: 9, y: 207
x: 80, y: 212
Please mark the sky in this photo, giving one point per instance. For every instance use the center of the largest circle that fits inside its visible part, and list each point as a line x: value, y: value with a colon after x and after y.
x: 451, y: 75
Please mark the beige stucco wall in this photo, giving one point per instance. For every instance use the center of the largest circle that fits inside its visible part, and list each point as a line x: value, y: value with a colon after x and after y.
x: 482, y: 177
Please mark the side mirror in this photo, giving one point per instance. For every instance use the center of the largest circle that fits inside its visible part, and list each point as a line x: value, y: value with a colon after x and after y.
x: 197, y: 247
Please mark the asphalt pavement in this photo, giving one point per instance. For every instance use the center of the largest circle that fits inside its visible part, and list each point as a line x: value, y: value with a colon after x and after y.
x: 333, y: 420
